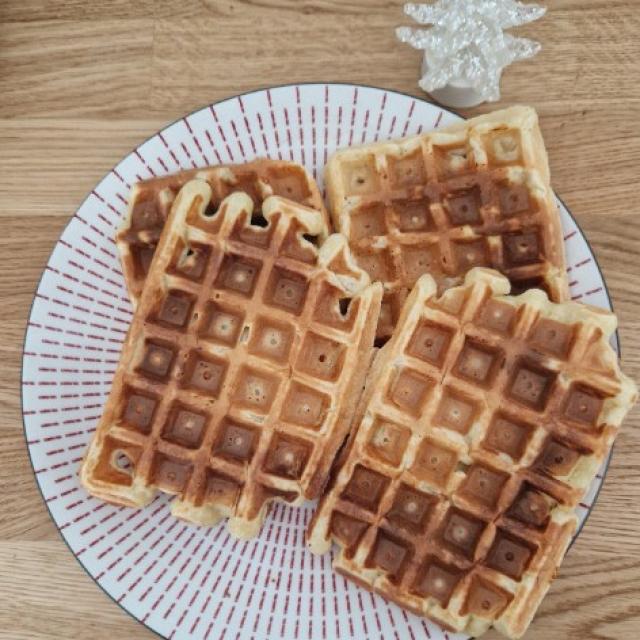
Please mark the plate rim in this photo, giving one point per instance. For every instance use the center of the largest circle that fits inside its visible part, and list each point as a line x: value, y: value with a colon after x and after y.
x: 150, y: 137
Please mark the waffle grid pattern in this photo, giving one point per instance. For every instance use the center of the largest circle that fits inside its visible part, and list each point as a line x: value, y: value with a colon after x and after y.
x: 150, y: 203
x: 446, y: 201
x: 221, y: 397
x: 457, y: 499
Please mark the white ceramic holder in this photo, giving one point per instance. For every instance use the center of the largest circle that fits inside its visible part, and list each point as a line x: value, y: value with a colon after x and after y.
x: 458, y: 93
x: 466, y: 46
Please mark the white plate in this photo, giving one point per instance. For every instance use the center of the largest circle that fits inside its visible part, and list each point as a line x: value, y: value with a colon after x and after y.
x: 183, y: 581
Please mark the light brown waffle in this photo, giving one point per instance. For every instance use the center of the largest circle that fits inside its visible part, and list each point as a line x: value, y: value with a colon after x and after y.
x: 483, y: 422
x: 242, y: 367
x: 150, y: 202
x: 474, y: 194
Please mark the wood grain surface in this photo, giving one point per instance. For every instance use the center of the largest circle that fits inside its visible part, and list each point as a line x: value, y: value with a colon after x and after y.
x: 82, y: 82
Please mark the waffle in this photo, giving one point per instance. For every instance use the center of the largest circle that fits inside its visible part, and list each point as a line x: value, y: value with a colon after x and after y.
x: 474, y: 194
x: 242, y: 367
x: 150, y: 202
x: 482, y: 424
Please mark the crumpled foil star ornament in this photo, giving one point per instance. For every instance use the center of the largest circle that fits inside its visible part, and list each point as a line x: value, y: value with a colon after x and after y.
x: 467, y: 45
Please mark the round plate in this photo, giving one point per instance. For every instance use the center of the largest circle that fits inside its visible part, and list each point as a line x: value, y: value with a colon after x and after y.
x: 183, y: 581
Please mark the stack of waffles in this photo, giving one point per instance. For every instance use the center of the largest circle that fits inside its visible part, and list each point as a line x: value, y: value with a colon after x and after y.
x: 448, y: 427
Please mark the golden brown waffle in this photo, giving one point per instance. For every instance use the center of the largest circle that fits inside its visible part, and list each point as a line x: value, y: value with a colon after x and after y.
x: 150, y: 202
x: 242, y: 367
x: 483, y: 422
x: 474, y: 194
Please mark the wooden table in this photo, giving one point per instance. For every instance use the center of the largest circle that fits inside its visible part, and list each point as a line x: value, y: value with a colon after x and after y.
x: 81, y: 83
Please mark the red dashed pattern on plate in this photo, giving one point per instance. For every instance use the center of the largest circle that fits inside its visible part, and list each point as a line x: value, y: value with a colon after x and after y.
x: 183, y: 581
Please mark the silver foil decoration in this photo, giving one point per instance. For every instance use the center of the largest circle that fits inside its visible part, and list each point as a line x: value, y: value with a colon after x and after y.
x: 466, y: 46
